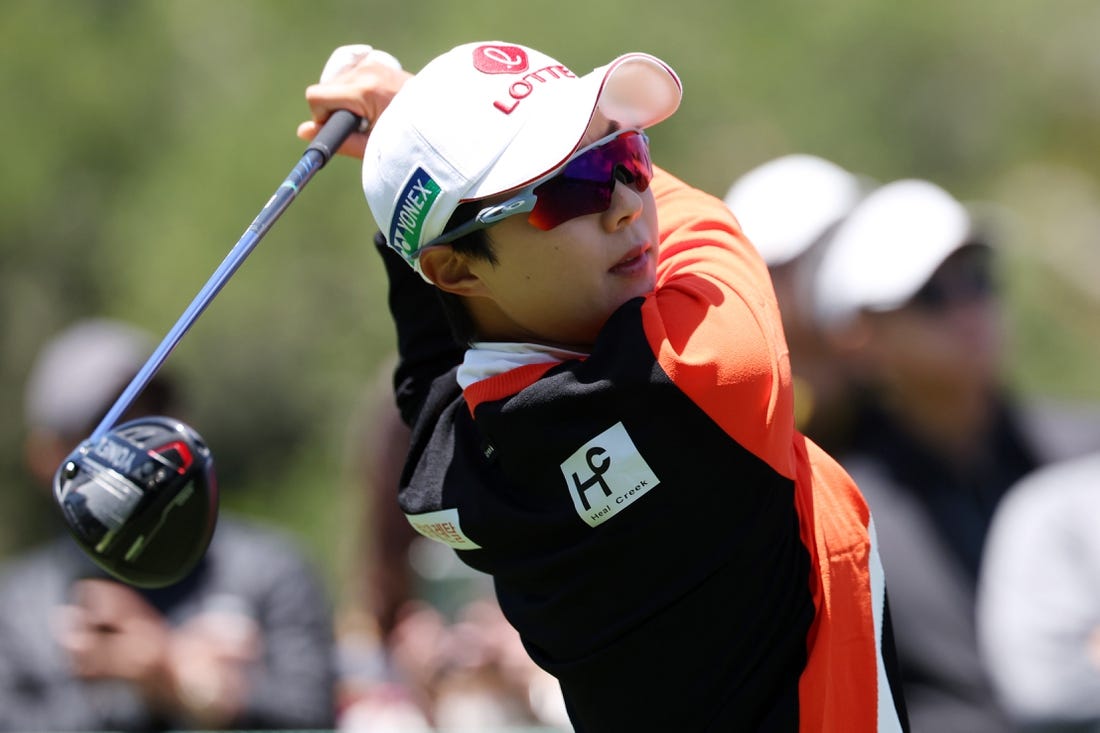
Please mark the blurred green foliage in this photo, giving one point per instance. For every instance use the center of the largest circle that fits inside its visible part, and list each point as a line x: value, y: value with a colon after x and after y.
x: 143, y: 137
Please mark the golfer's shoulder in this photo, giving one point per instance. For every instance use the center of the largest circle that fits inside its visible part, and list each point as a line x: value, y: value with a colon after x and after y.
x: 670, y: 189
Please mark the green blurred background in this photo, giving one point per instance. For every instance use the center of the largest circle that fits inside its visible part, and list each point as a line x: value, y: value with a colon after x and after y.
x: 141, y: 138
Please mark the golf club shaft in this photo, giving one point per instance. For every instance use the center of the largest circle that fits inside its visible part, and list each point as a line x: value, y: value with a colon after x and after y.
x: 341, y: 124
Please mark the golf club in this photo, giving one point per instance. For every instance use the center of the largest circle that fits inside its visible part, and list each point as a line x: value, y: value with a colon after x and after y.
x: 141, y: 498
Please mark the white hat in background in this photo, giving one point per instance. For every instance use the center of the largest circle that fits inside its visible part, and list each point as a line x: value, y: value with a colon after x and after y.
x: 79, y: 373
x: 787, y: 204
x: 886, y: 249
x: 485, y: 118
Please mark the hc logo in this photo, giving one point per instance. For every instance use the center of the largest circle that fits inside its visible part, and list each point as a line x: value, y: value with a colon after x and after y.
x: 606, y: 475
x: 598, y: 469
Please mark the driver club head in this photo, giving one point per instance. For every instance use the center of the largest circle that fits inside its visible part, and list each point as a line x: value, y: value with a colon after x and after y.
x: 141, y: 501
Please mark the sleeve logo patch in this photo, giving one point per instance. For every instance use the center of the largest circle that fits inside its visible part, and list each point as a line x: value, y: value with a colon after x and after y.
x: 606, y: 475
x: 442, y: 526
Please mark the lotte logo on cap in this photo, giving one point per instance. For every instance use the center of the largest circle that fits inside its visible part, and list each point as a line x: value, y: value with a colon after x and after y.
x: 500, y: 59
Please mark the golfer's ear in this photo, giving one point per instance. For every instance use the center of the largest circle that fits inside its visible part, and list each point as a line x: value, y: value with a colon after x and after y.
x: 450, y: 271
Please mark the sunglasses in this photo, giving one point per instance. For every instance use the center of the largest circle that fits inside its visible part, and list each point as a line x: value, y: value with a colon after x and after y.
x: 965, y: 278
x: 584, y: 185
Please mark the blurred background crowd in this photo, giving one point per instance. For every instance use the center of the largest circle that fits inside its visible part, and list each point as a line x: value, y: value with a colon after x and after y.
x: 922, y: 180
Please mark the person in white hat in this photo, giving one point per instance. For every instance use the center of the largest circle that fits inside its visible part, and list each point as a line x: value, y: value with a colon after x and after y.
x: 787, y: 207
x: 907, y: 286
x: 601, y: 406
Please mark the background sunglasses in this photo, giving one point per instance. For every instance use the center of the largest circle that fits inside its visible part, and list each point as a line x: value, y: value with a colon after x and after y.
x: 584, y: 185
x: 965, y: 277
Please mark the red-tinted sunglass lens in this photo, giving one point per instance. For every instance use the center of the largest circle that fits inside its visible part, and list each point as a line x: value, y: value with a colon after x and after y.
x: 586, y: 183
x: 561, y: 199
x: 628, y: 150
x: 630, y: 153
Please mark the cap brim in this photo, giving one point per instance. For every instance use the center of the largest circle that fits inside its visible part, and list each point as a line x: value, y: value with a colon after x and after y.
x: 635, y: 90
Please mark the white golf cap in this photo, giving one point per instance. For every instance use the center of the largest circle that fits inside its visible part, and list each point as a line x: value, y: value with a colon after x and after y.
x: 887, y: 248
x: 485, y: 118
x: 785, y: 205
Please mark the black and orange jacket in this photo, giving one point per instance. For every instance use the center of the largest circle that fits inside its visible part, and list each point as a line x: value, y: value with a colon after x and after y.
x: 665, y: 542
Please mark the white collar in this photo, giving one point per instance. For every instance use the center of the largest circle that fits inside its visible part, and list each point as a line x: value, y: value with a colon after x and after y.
x: 488, y: 358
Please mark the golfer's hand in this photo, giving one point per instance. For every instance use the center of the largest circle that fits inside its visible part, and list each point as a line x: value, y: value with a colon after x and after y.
x: 356, y: 78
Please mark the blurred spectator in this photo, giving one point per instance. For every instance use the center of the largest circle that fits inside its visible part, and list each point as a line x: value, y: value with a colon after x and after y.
x: 907, y: 287
x: 245, y: 641
x: 1039, y: 598
x: 424, y: 646
x: 787, y: 206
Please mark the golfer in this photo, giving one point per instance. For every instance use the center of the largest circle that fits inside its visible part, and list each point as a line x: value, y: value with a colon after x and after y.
x: 595, y: 372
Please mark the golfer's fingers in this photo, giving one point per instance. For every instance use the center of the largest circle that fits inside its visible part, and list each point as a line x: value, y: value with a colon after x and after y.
x: 353, y: 146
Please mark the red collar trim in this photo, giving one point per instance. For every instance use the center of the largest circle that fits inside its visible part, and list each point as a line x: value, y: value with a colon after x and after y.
x: 505, y: 384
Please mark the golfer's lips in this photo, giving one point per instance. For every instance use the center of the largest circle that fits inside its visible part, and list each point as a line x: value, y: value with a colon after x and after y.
x: 635, y: 258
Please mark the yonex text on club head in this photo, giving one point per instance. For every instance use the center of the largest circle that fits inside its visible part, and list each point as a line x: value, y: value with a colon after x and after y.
x: 141, y: 500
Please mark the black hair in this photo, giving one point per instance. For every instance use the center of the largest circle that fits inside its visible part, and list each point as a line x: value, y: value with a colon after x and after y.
x: 478, y: 245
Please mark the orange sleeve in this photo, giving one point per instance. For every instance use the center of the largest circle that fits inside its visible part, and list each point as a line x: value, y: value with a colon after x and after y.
x: 714, y: 324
